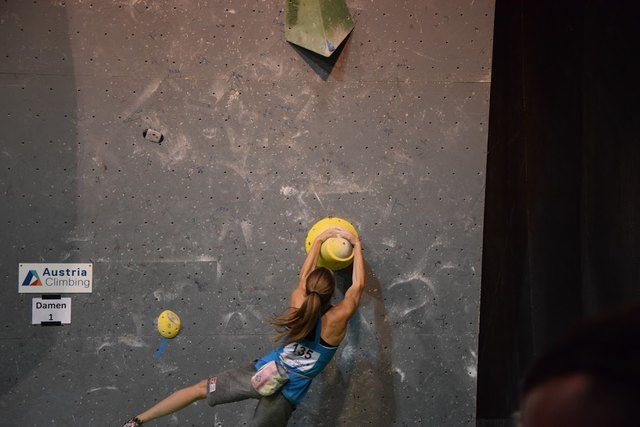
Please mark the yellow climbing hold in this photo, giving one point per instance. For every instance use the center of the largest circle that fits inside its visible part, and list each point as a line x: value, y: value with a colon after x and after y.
x: 336, y: 252
x: 168, y: 324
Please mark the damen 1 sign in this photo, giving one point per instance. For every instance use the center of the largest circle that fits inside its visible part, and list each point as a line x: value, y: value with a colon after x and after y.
x: 45, y: 278
x: 50, y: 311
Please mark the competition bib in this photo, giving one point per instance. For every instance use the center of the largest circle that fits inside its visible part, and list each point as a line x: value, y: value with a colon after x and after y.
x: 300, y: 357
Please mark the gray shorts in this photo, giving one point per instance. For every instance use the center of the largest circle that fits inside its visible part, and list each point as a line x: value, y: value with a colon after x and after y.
x: 235, y: 385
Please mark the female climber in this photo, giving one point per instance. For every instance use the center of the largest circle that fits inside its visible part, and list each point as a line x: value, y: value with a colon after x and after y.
x: 309, y: 333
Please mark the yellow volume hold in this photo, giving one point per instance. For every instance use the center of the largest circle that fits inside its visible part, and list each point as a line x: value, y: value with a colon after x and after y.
x: 336, y: 253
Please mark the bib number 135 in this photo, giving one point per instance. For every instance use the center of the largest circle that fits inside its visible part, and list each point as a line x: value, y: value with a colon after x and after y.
x: 302, y: 351
x: 299, y: 356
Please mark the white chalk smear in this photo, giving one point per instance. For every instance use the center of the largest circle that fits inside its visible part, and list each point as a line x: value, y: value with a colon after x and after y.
x: 411, y: 276
x: 223, y: 232
x: 209, y: 133
x: 399, y: 372
x: 288, y: 191
x: 146, y: 93
x: 93, y: 390
x: 166, y: 368
x: 389, y: 241
x: 72, y: 239
x: 318, y: 199
x: 218, y: 271
x: 348, y: 354
x: 178, y: 150
x: 162, y: 295
x: 103, y: 345
x: 472, y: 368
x: 247, y: 233
x: 131, y: 341
x: 205, y: 258
x: 302, y: 214
x: 415, y: 276
x: 472, y: 371
x: 447, y: 265
x: 228, y: 316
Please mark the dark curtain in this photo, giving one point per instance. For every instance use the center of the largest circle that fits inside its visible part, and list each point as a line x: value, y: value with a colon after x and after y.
x: 561, y: 234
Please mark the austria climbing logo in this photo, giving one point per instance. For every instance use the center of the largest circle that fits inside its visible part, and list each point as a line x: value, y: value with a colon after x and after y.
x: 32, y: 279
x: 46, y: 278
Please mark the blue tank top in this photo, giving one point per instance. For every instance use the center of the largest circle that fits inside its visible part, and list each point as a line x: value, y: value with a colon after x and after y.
x: 303, y: 360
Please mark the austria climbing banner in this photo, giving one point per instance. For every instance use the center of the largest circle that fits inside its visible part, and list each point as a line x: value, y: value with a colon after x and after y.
x: 45, y: 278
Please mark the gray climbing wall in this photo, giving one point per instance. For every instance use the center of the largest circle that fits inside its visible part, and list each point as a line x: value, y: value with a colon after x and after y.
x: 262, y: 139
